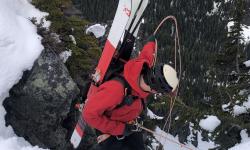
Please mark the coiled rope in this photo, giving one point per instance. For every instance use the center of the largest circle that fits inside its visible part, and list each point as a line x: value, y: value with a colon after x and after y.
x: 177, y: 48
x: 172, y: 99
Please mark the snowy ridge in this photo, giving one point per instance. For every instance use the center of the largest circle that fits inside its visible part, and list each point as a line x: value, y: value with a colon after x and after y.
x: 20, y: 46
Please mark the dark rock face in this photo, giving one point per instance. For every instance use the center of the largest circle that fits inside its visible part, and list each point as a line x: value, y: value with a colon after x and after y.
x: 40, y: 102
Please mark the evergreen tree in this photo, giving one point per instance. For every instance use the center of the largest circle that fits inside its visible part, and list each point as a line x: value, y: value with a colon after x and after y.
x: 233, y: 50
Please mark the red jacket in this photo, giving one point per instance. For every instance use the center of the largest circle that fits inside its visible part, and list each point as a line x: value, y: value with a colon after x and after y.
x: 100, y: 110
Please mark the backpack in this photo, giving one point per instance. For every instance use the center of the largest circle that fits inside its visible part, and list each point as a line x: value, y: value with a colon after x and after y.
x: 128, y: 98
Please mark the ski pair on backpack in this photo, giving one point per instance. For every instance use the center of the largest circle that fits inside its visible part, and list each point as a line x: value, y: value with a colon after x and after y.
x: 121, y: 38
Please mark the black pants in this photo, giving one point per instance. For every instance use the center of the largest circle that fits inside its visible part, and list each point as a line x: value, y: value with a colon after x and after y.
x: 132, y: 142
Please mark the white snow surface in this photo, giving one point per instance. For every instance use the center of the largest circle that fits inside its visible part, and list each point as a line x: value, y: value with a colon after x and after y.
x: 242, y: 146
x: 210, y: 123
x: 152, y: 115
x: 215, y: 9
x: 238, y: 110
x: 98, y: 30
x: 20, y: 46
x: 225, y: 107
x: 72, y: 39
x: 245, y: 32
x: 170, y: 142
x: 245, y: 142
x: 247, y: 63
x: 65, y: 55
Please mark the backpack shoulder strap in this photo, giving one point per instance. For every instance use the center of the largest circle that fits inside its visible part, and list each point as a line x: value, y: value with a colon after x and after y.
x: 122, y: 80
x: 128, y: 98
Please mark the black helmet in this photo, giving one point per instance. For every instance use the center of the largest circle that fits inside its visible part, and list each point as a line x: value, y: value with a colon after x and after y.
x: 162, y: 78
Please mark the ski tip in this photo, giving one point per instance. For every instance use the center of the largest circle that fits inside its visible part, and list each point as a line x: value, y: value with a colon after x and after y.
x: 76, y: 137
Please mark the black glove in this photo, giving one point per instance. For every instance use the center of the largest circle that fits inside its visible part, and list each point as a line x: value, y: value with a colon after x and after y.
x: 131, y: 128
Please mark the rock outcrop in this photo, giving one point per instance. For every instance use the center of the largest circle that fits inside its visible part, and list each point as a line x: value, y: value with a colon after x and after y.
x: 39, y: 103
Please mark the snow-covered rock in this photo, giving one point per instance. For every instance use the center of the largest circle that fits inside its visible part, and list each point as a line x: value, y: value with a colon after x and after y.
x: 36, y: 103
x: 20, y: 46
x: 65, y: 55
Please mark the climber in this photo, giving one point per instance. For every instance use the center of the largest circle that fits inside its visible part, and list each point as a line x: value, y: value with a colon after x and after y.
x: 115, y: 108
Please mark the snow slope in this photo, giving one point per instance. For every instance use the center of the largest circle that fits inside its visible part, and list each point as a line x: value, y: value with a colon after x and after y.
x: 19, y: 47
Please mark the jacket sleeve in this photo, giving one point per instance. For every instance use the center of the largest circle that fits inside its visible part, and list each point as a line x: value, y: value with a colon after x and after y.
x: 107, y: 97
x: 148, y: 52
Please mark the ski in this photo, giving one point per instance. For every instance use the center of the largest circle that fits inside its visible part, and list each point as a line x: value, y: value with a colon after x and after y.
x: 137, y: 19
x: 136, y: 4
x: 126, y: 44
x: 124, y: 52
x: 129, y: 33
x: 121, y: 18
x: 123, y: 13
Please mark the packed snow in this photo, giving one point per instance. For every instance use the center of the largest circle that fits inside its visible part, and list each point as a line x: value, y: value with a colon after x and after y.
x: 65, y: 55
x: 170, y: 142
x: 20, y: 46
x: 72, y: 39
x: 151, y: 115
x: 225, y: 107
x: 210, y: 123
x: 245, y: 142
x: 98, y: 30
x: 245, y: 32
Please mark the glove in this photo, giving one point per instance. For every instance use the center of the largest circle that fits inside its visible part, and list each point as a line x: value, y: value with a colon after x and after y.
x: 130, y: 128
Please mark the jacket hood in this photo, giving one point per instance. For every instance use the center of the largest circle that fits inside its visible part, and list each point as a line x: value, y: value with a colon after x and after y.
x: 132, y: 71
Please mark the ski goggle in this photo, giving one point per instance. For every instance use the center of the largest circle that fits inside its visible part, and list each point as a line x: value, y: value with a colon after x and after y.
x: 156, y: 80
